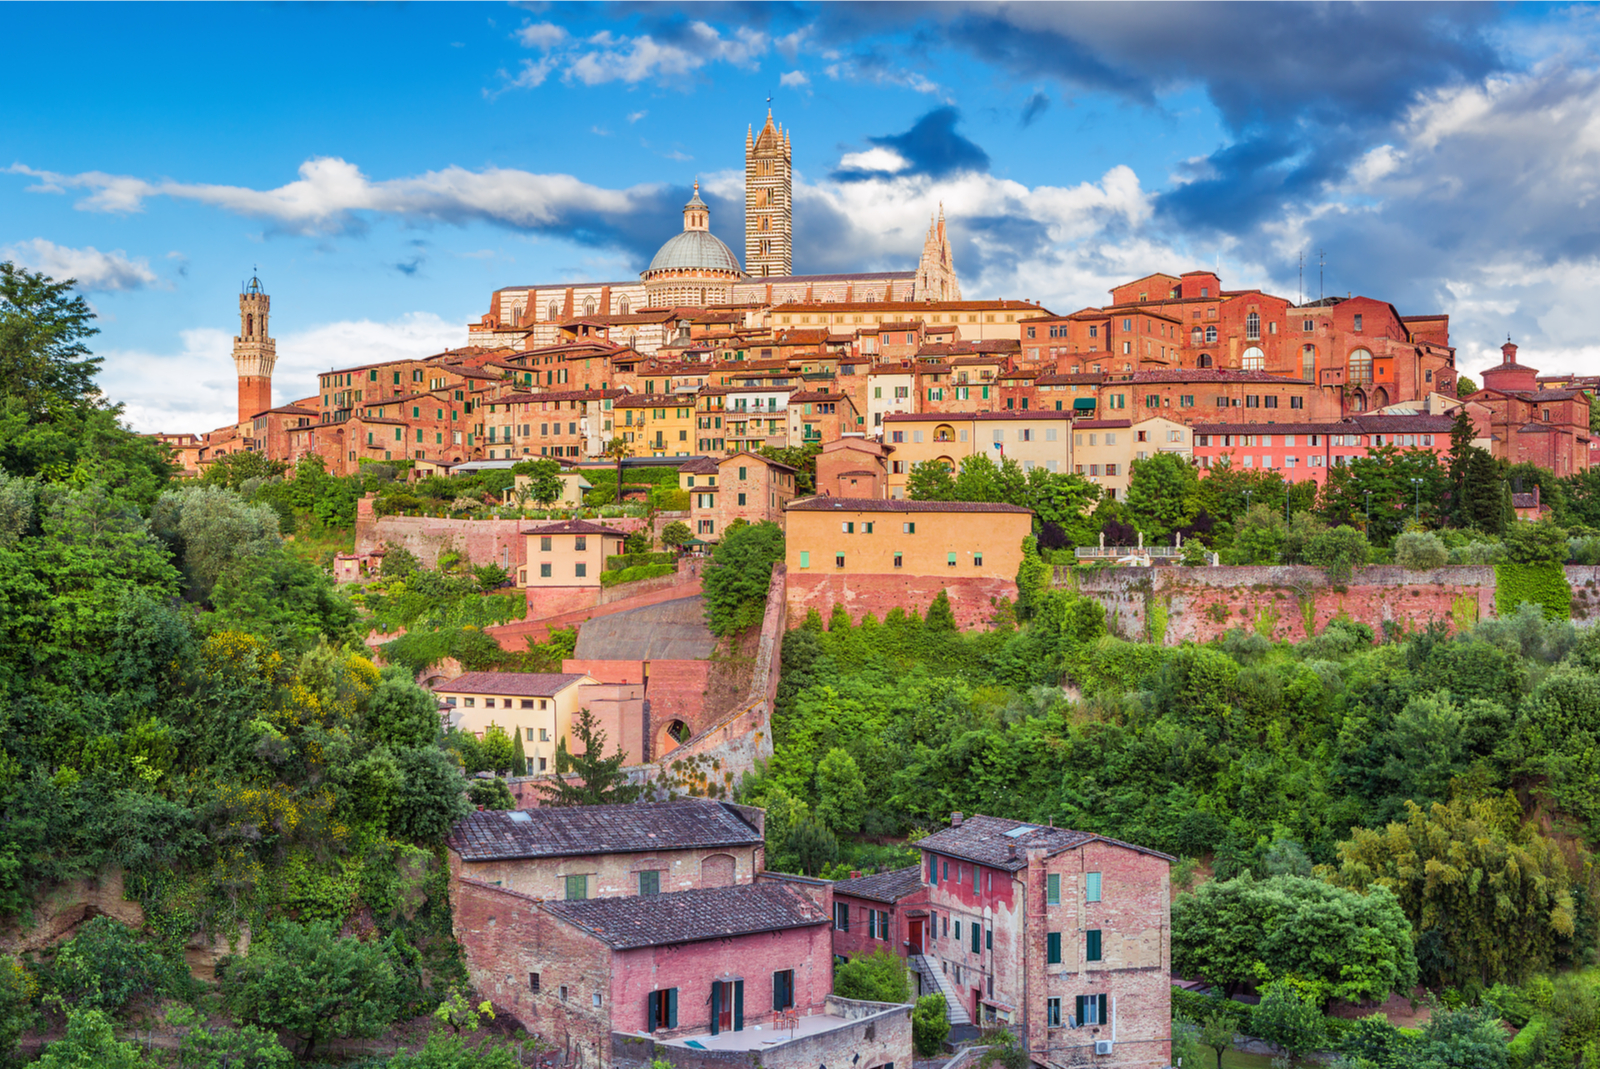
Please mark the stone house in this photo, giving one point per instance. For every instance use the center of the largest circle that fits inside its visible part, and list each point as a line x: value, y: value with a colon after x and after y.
x: 887, y: 910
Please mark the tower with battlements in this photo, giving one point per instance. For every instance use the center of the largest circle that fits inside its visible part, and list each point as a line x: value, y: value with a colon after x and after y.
x: 936, y: 271
x: 254, y: 352
x: 768, y: 202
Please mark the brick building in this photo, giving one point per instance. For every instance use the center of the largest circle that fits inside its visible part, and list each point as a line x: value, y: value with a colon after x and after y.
x: 873, y: 555
x: 887, y: 910
x: 1041, y: 439
x: 853, y: 466
x: 1535, y: 422
x: 1306, y: 451
x: 1063, y: 935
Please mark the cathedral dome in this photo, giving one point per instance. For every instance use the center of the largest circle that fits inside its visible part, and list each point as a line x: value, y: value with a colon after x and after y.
x: 694, y: 250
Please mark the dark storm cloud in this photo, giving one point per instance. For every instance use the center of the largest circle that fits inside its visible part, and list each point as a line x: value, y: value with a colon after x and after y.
x: 931, y: 147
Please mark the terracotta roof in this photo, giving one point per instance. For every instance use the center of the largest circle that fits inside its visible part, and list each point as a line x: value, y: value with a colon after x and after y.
x: 649, y: 400
x: 1038, y: 413
x: 874, y: 504
x: 514, y: 684
x: 562, y: 831
x: 699, y: 466
x: 814, y: 395
x: 909, y: 306
x: 560, y: 395
x: 1212, y: 375
x: 690, y: 916
x: 1092, y: 378
x: 1001, y: 843
x: 883, y: 886
x: 1092, y: 424
x: 573, y: 527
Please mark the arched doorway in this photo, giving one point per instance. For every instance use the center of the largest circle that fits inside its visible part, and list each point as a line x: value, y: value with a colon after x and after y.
x: 673, y: 735
x: 1203, y: 360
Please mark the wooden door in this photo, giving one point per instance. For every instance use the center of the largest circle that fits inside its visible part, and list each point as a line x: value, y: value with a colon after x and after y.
x: 916, y: 934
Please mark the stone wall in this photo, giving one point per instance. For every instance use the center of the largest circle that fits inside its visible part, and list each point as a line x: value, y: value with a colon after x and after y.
x: 480, y: 541
x: 514, y: 636
x: 972, y: 600
x: 870, y: 1034
x: 1288, y: 603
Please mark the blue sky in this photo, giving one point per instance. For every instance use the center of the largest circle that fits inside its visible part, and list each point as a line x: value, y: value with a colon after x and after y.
x: 387, y: 166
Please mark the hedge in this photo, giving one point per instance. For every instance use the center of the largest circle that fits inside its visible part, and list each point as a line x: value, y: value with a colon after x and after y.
x: 1543, y: 584
x: 634, y: 574
x: 618, y: 561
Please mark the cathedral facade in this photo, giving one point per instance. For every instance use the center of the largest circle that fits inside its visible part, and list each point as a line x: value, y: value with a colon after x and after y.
x: 696, y: 269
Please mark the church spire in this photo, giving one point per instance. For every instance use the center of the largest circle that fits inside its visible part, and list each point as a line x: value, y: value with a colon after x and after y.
x: 936, y: 271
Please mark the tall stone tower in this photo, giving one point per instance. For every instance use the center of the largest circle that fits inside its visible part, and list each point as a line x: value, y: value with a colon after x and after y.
x: 254, y: 352
x: 768, y: 204
x: 936, y: 271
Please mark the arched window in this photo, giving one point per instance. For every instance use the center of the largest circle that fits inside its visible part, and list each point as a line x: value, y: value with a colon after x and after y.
x: 555, y: 311
x: 588, y: 306
x: 1308, y: 362
x: 1254, y: 360
x: 944, y: 433
x: 1358, y: 402
x: 1252, y: 326
x: 1204, y: 360
x: 1195, y: 336
x: 1360, y: 366
x: 622, y: 306
x: 1211, y: 335
x: 249, y: 325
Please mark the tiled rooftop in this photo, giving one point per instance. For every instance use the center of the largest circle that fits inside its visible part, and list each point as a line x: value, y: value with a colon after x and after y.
x: 573, y: 527
x: 688, y: 916
x: 512, y: 684
x: 873, y: 504
x: 883, y: 886
x: 641, y: 827
x: 1001, y: 843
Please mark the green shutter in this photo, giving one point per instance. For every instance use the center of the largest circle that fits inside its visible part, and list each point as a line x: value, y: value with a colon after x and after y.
x: 738, y: 1005
x: 1092, y: 887
x: 988, y: 938
x: 1077, y: 1012
x: 650, y: 1012
x: 1052, y: 892
x: 1104, y: 1017
x: 977, y: 934
x: 1053, y: 948
x: 672, y: 1007
x: 716, y: 1006
x: 1092, y: 947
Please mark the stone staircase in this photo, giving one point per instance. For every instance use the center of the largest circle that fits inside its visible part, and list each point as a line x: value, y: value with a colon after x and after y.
x: 954, y: 1010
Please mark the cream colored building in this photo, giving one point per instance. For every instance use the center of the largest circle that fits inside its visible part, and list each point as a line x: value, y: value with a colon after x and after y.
x: 573, y: 487
x: 1032, y: 439
x: 1102, y: 450
x: 953, y: 540
x: 569, y: 554
x: 537, y: 706
x: 1161, y: 435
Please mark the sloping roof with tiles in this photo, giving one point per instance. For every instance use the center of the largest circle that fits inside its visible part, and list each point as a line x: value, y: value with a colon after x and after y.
x: 640, y: 827
x: 689, y: 916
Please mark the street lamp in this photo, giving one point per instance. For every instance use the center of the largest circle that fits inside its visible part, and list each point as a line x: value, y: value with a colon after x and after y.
x: 1416, y: 511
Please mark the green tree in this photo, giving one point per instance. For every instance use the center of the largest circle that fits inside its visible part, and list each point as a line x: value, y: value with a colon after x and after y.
x: 204, y: 1046
x: 1488, y: 896
x: 90, y: 1044
x: 1468, y: 1038
x: 1162, y: 494
x: 449, y: 1051
x: 1485, y: 505
x: 104, y: 966
x: 1338, y: 551
x: 1034, y: 578
x: 402, y: 714
x: 601, y: 779
x: 1260, y: 537
x: 940, y: 616
x: 878, y: 977
x: 432, y: 795
x: 736, y: 580
x: 308, y: 979
x: 490, y: 793
x: 231, y: 471
x: 544, y: 479
x: 841, y: 792
x: 497, y: 748
x: 1234, y: 932
x: 1289, y: 1018
x: 45, y: 363
x: 931, y: 480
x: 812, y: 846
x: 675, y: 534
x: 519, y: 756
x: 930, y: 1024
x: 1420, y: 551
x: 1536, y: 542
x: 1216, y: 1032
x: 1462, y: 433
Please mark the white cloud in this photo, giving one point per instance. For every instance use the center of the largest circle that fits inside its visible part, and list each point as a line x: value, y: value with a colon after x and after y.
x: 330, y: 191
x: 877, y: 159
x: 794, y: 79
x: 849, y: 71
x: 143, y: 380
x: 635, y: 116
x: 531, y: 76
x: 96, y: 271
x: 541, y: 35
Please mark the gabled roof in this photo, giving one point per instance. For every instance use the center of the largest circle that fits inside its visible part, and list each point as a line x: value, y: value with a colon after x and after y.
x: 699, y: 466
x: 513, y: 684
x: 574, y: 527
x: 567, y: 831
x: 875, y: 504
x: 691, y: 916
x: 883, y: 886
x: 1001, y: 843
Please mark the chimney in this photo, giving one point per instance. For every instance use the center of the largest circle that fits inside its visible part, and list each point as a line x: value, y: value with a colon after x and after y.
x: 855, y: 874
x: 955, y: 819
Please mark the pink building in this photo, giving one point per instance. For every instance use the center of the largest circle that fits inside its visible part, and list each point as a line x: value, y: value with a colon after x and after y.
x: 887, y: 910
x: 1305, y: 451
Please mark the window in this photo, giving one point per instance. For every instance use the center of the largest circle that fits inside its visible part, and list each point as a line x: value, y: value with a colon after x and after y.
x: 661, y: 1009
x: 544, y: 571
x: 977, y: 559
x: 872, y: 924
x: 1052, y: 889
x: 908, y: 528
x: 1052, y: 1012
x: 650, y: 882
x: 1252, y: 326
x: 1090, y: 1009
x: 1297, y: 402
x: 1254, y: 359
x: 562, y: 992
x: 1358, y: 321
x: 1360, y: 364
x: 899, y: 560
x: 1091, y: 945
x: 1052, y: 952
x: 1308, y: 325
x: 533, y: 982
x: 805, y: 558
x: 581, y: 571
x: 577, y: 888
x: 950, y: 560
x: 977, y: 935
x: 838, y: 561
x: 596, y: 998
x: 783, y: 989
x: 544, y: 544
x: 544, y: 734
x: 841, y: 916
x: 530, y: 730
x: 1211, y: 335
x: 741, y: 499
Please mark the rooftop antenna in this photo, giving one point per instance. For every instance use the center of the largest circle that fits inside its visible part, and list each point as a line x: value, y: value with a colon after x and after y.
x: 1302, y: 276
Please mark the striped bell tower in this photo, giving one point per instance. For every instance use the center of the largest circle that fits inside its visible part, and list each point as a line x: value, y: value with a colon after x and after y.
x: 768, y: 204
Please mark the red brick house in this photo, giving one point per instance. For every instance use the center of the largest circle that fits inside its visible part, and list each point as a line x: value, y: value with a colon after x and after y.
x: 1533, y: 423
x: 1063, y: 935
x: 1301, y: 451
x: 884, y: 910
